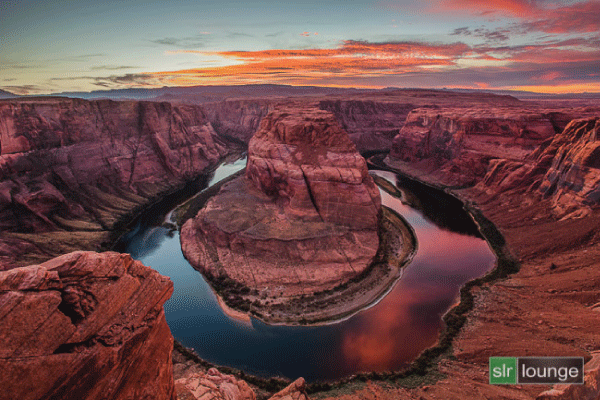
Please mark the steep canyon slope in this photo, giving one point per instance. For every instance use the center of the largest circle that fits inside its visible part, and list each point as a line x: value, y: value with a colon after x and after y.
x: 71, y: 169
x: 545, y: 205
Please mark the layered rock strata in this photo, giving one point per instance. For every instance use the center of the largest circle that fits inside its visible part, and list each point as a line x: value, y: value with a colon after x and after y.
x: 303, y: 218
x: 85, y: 326
x: 460, y: 142
x: 374, y: 119
x: 565, y: 169
x: 70, y: 169
x: 237, y: 119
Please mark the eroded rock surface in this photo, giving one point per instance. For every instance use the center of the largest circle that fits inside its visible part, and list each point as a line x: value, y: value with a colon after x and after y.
x: 213, y: 385
x: 590, y: 390
x: 565, y: 169
x: 72, y: 168
x: 460, y: 144
x: 529, y: 313
x: 85, y: 326
x: 302, y: 219
x: 237, y: 118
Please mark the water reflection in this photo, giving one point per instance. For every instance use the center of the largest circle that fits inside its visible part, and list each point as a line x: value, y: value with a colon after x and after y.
x: 386, y: 336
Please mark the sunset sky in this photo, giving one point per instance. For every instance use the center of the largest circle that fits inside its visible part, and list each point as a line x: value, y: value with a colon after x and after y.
x: 51, y: 46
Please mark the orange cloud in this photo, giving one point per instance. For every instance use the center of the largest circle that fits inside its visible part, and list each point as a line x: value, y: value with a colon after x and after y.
x: 578, y: 17
x: 351, y: 59
x: 515, y: 8
x: 583, y: 16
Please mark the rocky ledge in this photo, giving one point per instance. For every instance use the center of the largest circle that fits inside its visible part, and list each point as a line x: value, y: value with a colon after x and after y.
x: 85, y: 326
x: 564, y: 169
x: 303, y: 219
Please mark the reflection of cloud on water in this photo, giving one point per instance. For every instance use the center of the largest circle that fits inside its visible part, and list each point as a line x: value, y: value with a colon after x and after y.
x: 390, y: 332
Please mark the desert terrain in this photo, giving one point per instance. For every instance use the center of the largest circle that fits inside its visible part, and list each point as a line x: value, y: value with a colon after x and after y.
x: 75, y: 173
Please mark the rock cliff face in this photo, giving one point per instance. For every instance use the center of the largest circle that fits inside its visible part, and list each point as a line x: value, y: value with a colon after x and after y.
x: 535, y: 203
x: 565, y: 169
x: 374, y: 119
x: 371, y: 125
x: 74, y: 167
x: 302, y: 219
x: 306, y: 161
x: 460, y: 142
x: 237, y: 119
x: 85, y: 326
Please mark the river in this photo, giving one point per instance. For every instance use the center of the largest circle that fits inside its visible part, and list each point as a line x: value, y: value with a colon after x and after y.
x: 386, y: 336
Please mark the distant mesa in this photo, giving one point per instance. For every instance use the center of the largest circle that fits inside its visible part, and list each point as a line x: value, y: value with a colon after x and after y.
x: 7, y: 95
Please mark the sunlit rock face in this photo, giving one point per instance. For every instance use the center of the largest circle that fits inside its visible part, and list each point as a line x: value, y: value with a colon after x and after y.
x: 304, y: 160
x: 573, y: 178
x: 75, y: 167
x: 302, y: 219
x: 85, y: 326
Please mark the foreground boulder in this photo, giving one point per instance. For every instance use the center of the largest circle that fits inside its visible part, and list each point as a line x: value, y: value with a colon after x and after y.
x: 303, y: 218
x: 214, y: 385
x: 85, y: 326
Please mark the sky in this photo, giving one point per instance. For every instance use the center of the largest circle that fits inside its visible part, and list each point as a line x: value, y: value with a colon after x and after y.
x: 546, y: 46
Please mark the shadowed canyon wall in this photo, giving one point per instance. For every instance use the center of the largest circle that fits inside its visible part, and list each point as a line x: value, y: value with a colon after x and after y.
x: 72, y: 168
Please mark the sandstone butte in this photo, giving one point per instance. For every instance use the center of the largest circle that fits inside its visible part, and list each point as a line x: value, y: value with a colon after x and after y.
x: 302, y: 219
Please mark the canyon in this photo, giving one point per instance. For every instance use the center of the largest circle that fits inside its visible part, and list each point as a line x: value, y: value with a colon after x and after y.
x: 73, y: 171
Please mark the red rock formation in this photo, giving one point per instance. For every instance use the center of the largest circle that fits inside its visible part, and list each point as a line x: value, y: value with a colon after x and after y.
x: 462, y: 141
x: 303, y: 159
x: 78, y: 166
x: 85, y: 326
x: 565, y: 169
x: 460, y: 144
x: 371, y: 125
x: 589, y: 390
x: 237, y: 118
x: 374, y: 119
x: 303, y: 219
x: 213, y: 385
x: 295, y: 391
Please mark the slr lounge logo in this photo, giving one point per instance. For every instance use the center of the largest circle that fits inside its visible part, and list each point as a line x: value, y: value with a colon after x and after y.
x: 536, y: 370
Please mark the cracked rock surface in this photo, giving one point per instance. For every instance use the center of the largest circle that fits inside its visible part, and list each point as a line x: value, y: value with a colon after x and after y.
x: 85, y: 326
